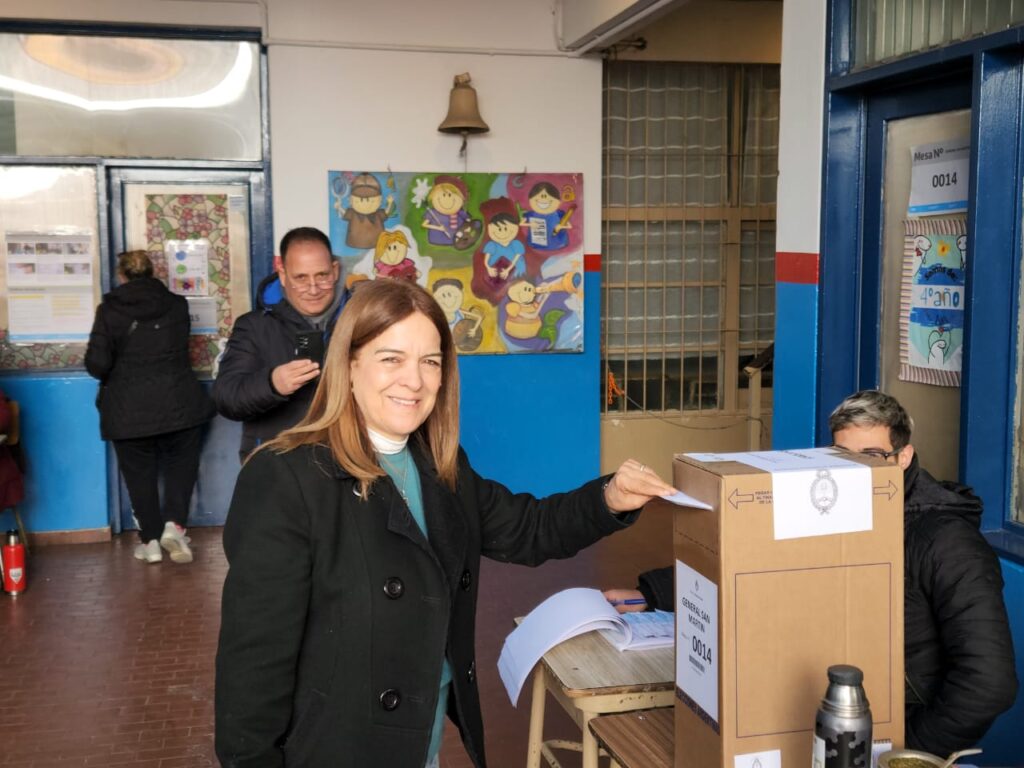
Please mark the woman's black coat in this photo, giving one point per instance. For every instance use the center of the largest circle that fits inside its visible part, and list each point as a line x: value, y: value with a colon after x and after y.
x: 337, y: 612
x: 138, y: 349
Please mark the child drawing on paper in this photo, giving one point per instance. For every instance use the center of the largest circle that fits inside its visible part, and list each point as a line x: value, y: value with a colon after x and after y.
x: 547, y: 225
x: 940, y: 345
x: 935, y: 324
x: 392, y: 257
x: 464, y: 321
x: 942, y: 259
x: 364, y: 215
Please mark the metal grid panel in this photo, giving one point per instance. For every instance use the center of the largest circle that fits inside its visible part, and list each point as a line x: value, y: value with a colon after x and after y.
x: 690, y: 178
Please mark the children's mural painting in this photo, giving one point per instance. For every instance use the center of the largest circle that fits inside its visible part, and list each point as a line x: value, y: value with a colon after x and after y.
x: 501, y: 253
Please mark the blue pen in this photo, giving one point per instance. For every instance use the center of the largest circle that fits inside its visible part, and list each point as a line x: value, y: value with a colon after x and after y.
x: 631, y: 601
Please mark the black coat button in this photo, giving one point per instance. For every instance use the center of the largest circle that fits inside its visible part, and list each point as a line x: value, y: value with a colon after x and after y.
x: 466, y: 581
x: 394, y: 588
x: 390, y: 699
x: 471, y: 674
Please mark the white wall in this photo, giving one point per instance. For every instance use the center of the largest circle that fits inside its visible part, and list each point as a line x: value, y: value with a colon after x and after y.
x: 372, y: 96
x: 372, y: 110
x: 800, y: 127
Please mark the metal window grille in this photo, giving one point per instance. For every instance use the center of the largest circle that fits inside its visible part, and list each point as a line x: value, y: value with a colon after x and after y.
x: 890, y: 29
x: 691, y: 159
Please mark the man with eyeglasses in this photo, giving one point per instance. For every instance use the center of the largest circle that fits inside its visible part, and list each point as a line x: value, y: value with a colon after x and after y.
x: 959, y: 662
x: 271, y: 365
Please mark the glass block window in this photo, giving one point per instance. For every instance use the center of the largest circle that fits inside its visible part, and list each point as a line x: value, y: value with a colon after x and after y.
x: 691, y: 159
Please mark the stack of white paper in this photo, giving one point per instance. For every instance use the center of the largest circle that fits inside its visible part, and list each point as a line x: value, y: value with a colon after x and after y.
x: 569, y: 613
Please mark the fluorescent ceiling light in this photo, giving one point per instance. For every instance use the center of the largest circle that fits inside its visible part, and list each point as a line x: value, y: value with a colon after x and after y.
x: 226, y: 91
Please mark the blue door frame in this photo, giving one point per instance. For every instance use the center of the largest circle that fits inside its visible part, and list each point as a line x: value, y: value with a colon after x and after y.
x: 988, y: 71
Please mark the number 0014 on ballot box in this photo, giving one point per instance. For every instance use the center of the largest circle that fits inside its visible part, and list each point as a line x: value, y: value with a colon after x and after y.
x: 797, y: 566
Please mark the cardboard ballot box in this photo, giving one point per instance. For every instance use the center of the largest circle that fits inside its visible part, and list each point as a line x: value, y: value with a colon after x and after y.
x: 798, y: 565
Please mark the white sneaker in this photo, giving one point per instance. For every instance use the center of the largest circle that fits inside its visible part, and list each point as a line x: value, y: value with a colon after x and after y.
x: 176, y: 542
x: 150, y: 551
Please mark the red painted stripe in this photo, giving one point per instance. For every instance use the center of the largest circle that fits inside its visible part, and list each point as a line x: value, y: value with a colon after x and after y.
x: 796, y: 268
x: 592, y: 262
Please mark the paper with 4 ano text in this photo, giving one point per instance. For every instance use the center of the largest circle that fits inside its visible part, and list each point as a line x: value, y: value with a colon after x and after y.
x: 569, y: 613
x: 815, y: 492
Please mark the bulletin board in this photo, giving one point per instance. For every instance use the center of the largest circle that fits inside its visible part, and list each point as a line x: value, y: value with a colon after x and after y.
x: 50, y: 274
x: 197, y: 237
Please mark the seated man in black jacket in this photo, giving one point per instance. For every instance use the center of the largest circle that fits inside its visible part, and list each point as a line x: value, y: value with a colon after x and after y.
x: 265, y: 379
x: 958, y: 652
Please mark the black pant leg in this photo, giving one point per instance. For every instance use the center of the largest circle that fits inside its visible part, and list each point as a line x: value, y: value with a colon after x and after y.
x: 137, y: 459
x: 180, y: 462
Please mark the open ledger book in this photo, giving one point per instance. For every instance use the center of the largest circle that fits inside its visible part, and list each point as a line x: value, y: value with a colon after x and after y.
x: 572, y: 612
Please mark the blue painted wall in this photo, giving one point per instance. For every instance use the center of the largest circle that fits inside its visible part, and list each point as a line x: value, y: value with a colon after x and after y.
x: 795, y: 365
x: 1004, y: 743
x: 532, y: 422
x: 66, y: 477
x: 528, y: 421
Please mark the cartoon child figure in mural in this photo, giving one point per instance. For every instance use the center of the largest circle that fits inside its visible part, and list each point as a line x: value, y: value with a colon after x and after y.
x: 523, y: 318
x: 502, y: 257
x: 447, y: 221
x: 546, y: 223
x: 364, y: 215
x: 392, y: 257
x: 465, y: 322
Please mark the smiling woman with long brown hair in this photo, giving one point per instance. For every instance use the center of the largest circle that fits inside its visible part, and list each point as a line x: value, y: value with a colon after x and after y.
x: 354, y: 543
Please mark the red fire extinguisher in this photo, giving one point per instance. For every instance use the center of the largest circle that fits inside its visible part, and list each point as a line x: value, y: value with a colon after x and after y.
x: 14, y: 564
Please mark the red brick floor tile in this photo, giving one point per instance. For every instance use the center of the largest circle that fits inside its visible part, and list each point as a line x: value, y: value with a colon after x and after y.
x: 107, y: 661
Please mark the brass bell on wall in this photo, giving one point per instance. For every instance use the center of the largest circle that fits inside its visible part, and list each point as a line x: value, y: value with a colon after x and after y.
x: 463, y: 112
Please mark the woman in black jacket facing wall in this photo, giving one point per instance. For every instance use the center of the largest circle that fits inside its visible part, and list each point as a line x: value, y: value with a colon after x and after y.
x: 151, y: 405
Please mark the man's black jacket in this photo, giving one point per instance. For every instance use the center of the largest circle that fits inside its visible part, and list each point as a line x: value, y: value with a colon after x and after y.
x: 260, y: 341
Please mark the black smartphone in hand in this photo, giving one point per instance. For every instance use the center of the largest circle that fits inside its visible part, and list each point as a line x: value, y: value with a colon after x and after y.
x: 309, y: 345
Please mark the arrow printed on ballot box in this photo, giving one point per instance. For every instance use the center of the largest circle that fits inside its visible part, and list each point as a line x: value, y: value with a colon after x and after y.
x: 888, y: 490
x: 736, y: 498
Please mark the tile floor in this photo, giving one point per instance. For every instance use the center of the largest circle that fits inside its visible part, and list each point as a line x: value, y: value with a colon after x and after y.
x: 107, y: 661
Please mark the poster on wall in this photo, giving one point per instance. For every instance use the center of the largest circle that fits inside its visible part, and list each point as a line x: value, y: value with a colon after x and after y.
x: 188, y: 239
x: 939, y: 177
x: 188, y: 266
x: 932, y: 301
x: 49, y: 282
x: 501, y: 252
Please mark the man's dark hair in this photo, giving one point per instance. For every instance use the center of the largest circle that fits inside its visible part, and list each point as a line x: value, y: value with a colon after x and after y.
x: 303, y: 235
x: 873, y: 408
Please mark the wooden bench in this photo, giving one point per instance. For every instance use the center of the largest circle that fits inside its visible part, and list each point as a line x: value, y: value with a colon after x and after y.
x: 637, y: 739
x: 589, y: 677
